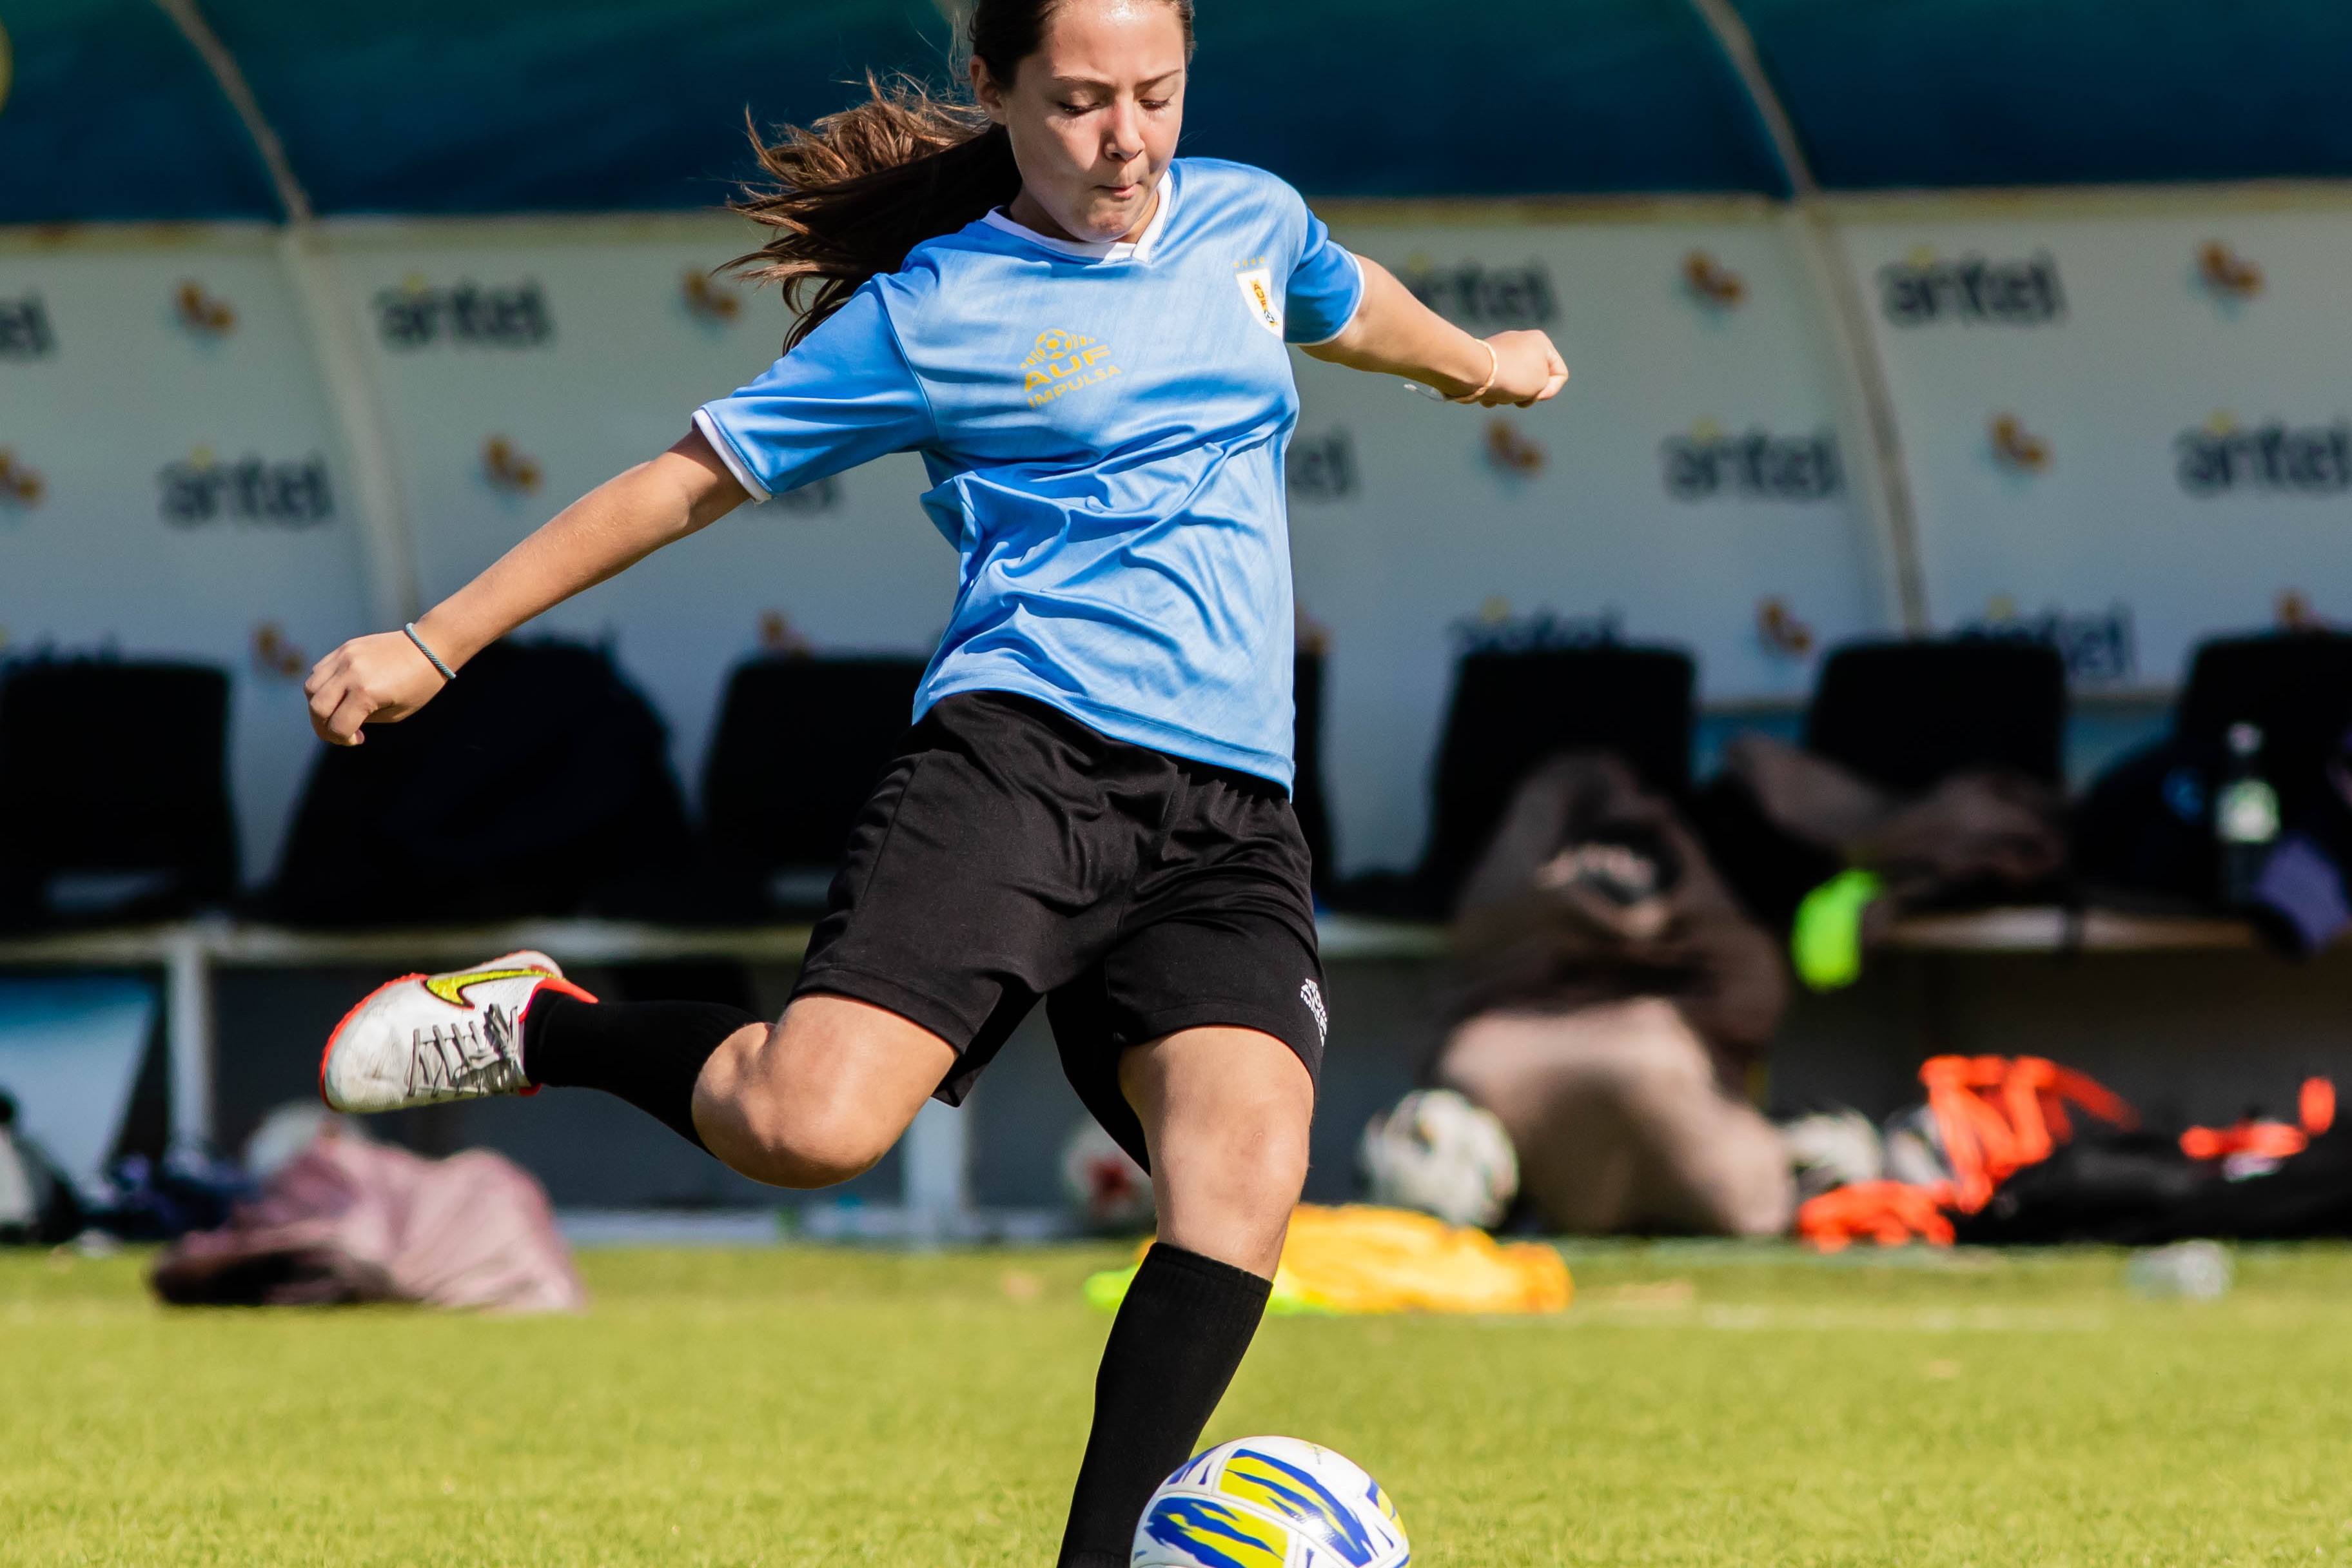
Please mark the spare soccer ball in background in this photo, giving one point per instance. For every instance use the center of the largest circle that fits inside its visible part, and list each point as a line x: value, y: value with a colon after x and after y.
x: 1270, y: 1502
x: 1440, y: 1154
x: 1104, y: 1183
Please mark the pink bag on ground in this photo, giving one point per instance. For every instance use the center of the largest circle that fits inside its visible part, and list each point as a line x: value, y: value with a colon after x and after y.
x: 349, y: 1220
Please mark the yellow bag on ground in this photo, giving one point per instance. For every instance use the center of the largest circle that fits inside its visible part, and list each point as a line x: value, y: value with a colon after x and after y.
x: 1359, y: 1258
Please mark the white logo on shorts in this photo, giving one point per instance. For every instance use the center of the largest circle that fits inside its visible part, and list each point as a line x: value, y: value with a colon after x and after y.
x: 1312, y: 995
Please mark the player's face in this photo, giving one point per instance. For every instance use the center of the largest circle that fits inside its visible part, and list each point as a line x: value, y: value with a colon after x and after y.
x: 1094, y: 114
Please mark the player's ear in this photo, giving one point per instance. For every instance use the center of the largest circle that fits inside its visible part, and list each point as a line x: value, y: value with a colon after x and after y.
x: 985, y: 87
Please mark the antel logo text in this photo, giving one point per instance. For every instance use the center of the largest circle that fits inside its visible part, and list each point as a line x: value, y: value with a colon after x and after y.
x: 1707, y: 463
x: 415, y: 316
x: 25, y: 329
x: 1923, y: 289
x: 1473, y: 294
x: 200, y: 489
x: 2221, y: 455
x: 1323, y: 468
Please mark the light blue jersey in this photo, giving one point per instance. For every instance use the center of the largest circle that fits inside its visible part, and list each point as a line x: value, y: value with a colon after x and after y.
x: 1104, y: 427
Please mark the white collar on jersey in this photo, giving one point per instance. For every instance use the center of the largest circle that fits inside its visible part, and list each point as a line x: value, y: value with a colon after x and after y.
x: 1099, y: 251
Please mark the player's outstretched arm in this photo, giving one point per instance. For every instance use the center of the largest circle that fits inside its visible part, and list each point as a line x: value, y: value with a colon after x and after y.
x: 383, y: 678
x: 1396, y: 334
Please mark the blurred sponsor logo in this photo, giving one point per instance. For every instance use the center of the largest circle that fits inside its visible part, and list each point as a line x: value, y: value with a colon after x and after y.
x: 1495, y: 629
x: 1323, y: 468
x: 2223, y: 456
x: 2016, y: 448
x: 2225, y: 274
x: 508, y: 468
x: 1712, y: 285
x: 807, y: 500
x: 1473, y: 294
x: 25, y: 329
x: 1923, y: 289
x: 1509, y: 452
x: 200, y: 488
x: 417, y: 315
x: 1782, y: 632
x: 707, y: 299
x: 20, y: 488
x: 275, y: 654
x: 2096, y: 646
x: 206, y: 315
x: 1710, y: 462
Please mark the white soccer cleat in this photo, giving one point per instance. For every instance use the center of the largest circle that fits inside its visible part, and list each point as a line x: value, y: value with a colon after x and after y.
x: 427, y: 1039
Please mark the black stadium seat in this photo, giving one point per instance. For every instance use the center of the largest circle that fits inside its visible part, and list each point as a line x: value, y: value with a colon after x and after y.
x: 1908, y: 714
x: 800, y: 743
x: 114, y: 798
x: 537, y: 784
x: 2296, y: 686
x: 1511, y: 709
x: 1904, y: 715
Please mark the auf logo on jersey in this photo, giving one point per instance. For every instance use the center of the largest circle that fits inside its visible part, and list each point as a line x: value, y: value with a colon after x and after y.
x: 1923, y: 289
x: 1063, y: 362
x: 1257, y: 291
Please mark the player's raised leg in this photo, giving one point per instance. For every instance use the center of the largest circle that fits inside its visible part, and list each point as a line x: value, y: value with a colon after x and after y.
x: 814, y: 1100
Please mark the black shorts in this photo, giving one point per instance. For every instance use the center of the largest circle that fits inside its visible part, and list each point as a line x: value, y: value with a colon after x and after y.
x: 1013, y: 853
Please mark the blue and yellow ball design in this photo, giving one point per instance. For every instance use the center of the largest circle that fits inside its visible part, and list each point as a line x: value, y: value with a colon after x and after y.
x: 1270, y: 1502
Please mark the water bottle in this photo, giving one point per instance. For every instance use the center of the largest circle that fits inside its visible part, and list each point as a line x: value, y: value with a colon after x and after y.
x: 2185, y: 1271
x: 2245, y: 816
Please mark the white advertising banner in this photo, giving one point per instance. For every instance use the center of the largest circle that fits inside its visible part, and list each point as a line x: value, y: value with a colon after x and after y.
x: 520, y: 366
x: 2126, y: 429
x: 169, y: 485
x: 1688, y: 487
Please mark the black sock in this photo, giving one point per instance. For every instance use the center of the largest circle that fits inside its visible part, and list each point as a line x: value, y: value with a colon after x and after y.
x: 1180, y: 1335
x: 648, y: 1053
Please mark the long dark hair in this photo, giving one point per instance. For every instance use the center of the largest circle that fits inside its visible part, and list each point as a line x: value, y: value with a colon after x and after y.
x: 856, y: 191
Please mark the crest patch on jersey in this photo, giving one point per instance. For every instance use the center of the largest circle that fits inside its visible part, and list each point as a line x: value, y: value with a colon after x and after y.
x: 1258, y: 288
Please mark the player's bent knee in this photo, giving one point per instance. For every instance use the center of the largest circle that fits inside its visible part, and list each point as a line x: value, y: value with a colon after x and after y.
x: 774, y: 1146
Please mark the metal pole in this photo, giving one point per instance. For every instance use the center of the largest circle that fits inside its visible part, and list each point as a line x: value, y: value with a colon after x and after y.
x: 936, y: 1171
x: 1863, y: 384
x: 336, y: 351
x: 188, y: 1035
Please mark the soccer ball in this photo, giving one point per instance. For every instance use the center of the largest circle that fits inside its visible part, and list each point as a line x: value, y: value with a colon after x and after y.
x: 1440, y: 1154
x: 1270, y: 1502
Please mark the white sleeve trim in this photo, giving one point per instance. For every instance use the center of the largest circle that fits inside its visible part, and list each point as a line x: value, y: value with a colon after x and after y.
x: 1353, y: 311
x: 727, y: 455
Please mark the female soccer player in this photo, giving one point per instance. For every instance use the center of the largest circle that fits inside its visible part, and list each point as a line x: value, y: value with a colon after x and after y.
x: 1085, y: 337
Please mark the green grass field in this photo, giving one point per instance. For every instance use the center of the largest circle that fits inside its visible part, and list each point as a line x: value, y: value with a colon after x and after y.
x: 802, y: 1406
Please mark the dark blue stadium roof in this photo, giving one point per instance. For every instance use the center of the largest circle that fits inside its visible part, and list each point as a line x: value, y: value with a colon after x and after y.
x: 477, y: 106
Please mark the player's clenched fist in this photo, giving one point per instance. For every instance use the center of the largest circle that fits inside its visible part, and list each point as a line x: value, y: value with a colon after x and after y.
x: 1528, y: 370
x: 368, y: 681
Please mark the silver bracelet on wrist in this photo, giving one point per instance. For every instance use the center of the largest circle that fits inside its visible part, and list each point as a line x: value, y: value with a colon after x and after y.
x: 434, y: 658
